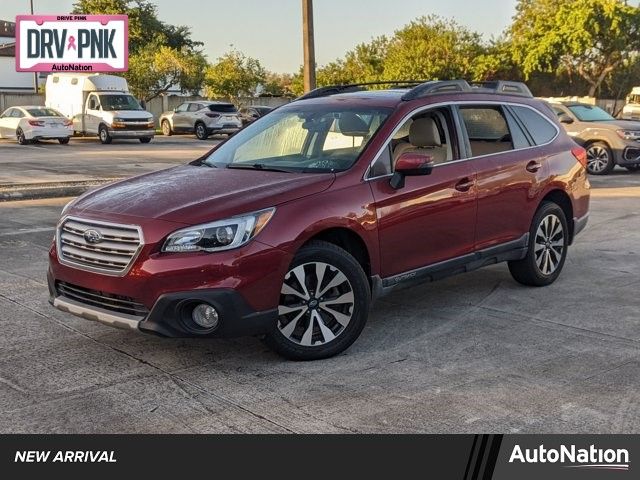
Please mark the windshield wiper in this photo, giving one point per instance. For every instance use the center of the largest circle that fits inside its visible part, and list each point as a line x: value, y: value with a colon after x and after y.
x: 258, y: 166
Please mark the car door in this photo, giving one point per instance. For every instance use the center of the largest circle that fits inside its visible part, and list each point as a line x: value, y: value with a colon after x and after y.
x: 180, y: 117
x: 192, y: 115
x: 432, y: 218
x: 93, y: 114
x: 510, y: 174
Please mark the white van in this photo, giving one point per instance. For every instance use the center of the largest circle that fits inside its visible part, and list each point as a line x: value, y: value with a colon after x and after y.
x: 99, y: 105
x: 631, y: 110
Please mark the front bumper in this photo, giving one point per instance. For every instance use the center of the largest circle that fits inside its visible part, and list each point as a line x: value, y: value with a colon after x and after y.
x: 117, y: 133
x: 170, y: 315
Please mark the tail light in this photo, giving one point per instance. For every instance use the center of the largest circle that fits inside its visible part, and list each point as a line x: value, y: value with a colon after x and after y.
x: 581, y: 155
x: 212, y: 115
x: 36, y: 123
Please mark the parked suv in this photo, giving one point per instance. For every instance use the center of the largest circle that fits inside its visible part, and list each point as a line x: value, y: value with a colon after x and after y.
x: 291, y: 228
x: 609, y: 142
x: 202, y: 118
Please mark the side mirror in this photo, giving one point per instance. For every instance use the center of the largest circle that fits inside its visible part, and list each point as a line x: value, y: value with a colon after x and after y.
x: 564, y: 118
x: 410, y: 164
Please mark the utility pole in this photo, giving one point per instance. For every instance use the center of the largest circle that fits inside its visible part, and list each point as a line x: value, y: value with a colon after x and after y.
x: 308, y: 46
x: 35, y: 74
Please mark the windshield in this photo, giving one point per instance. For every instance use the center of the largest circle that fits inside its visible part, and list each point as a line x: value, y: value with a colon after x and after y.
x: 119, y: 102
x: 587, y: 113
x: 302, y: 138
x: 43, y: 112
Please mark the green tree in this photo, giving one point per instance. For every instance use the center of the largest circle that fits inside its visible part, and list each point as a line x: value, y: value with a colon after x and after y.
x: 432, y: 48
x: 588, y: 38
x: 161, y: 56
x: 234, y: 75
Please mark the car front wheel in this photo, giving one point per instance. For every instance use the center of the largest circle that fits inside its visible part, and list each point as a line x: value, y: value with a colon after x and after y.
x: 166, y: 128
x: 547, y: 250
x: 324, y: 304
x: 63, y: 140
x: 599, y: 159
x: 103, y: 133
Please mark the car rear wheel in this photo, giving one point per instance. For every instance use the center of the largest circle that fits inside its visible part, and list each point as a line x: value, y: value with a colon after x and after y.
x: 166, y: 128
x: 63, y: 140
x: 599, y: 159
x: 145, y: 139
x: 201, y: 131
x: 103, y: 133
x: 22, y: 140
x: 547, y: 250
x: 324, y: 304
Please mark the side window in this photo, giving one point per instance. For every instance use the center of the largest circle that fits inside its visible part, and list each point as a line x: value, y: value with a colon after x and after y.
x: 93, y: 103
x: 487, y: 130
x: 382, y: 166
x: 17, y: 113
x: 540, y: 129
x: 193, y: 107
x: 182, y: 108
x: 8, y: 113
x: 518, y: 137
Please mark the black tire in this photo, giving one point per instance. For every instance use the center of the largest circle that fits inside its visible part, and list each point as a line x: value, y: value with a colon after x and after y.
x: 166, y: 128
x: 64, y: 140
x: 528, y: 271
x: 22, y: 140
x: 201, y: 131
x: 103, y: 134
x: 600, y: 159
x: 337, y: 262
x: 145, y: 139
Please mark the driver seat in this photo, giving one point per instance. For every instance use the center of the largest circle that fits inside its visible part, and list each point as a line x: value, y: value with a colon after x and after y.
x: 424, y: 138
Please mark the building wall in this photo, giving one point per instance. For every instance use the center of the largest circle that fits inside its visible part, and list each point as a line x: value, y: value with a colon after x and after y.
x: 12, y: 81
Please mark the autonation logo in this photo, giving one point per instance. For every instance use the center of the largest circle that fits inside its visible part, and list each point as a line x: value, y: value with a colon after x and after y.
x: 574, y: 457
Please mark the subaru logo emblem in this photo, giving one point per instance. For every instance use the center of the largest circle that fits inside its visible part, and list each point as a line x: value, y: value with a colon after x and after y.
x: 92, y: 236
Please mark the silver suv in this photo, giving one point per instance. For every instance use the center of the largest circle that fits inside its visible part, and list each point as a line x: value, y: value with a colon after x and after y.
x: 203, y: 118
x: 609, y: 142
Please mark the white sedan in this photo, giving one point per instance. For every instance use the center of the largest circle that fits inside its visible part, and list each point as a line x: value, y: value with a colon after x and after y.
x: 27, y: 124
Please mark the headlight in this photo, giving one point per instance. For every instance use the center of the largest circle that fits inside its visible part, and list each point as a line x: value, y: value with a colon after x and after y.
x: 220, y: 235
x: 629, y: 134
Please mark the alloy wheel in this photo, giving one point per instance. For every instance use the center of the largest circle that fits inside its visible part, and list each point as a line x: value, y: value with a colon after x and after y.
x: 316, y: 304
x: 549, y: 244
x: 597, y: 158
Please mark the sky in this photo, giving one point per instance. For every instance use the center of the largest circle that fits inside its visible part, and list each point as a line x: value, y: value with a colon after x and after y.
x: 271, y: 30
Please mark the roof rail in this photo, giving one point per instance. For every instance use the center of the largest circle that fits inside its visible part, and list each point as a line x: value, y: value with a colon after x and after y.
x: 436, y: 86
x: 353, y: 87
x: 503, y: 86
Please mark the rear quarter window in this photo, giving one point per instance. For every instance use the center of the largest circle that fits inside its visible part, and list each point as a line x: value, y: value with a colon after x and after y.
x: 223, y: 108
x: 541, y: 130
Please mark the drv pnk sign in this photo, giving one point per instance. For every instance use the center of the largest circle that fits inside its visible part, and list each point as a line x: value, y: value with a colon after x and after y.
x: 72, y: 43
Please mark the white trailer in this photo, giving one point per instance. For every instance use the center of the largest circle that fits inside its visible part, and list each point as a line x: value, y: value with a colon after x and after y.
x: 99, y: 105
x: 631, y: 110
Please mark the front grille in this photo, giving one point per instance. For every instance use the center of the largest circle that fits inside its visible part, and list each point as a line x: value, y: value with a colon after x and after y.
x: 106, y: 301
x: 113, y: 252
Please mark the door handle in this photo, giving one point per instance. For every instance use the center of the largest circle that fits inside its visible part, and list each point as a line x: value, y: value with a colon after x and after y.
x: 533, y: 166
x: 464, y: 185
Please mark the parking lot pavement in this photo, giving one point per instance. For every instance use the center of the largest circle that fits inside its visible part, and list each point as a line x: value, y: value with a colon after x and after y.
x: 476, y: 352
x: 88, y: 159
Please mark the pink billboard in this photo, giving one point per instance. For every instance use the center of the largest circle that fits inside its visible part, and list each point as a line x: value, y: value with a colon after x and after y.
x: 72, y: 43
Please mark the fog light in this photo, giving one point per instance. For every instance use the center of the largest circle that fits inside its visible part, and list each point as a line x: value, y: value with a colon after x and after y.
x: 205, y: 316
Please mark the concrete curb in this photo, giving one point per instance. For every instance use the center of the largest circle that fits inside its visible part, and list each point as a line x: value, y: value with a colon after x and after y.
x: 37, y: 191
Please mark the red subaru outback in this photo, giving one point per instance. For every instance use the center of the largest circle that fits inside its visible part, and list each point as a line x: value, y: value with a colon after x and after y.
x: 291, y: 228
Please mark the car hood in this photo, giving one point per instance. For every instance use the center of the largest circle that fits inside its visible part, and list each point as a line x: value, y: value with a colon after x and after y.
x: 192, y: 194
x: 618, y: 125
